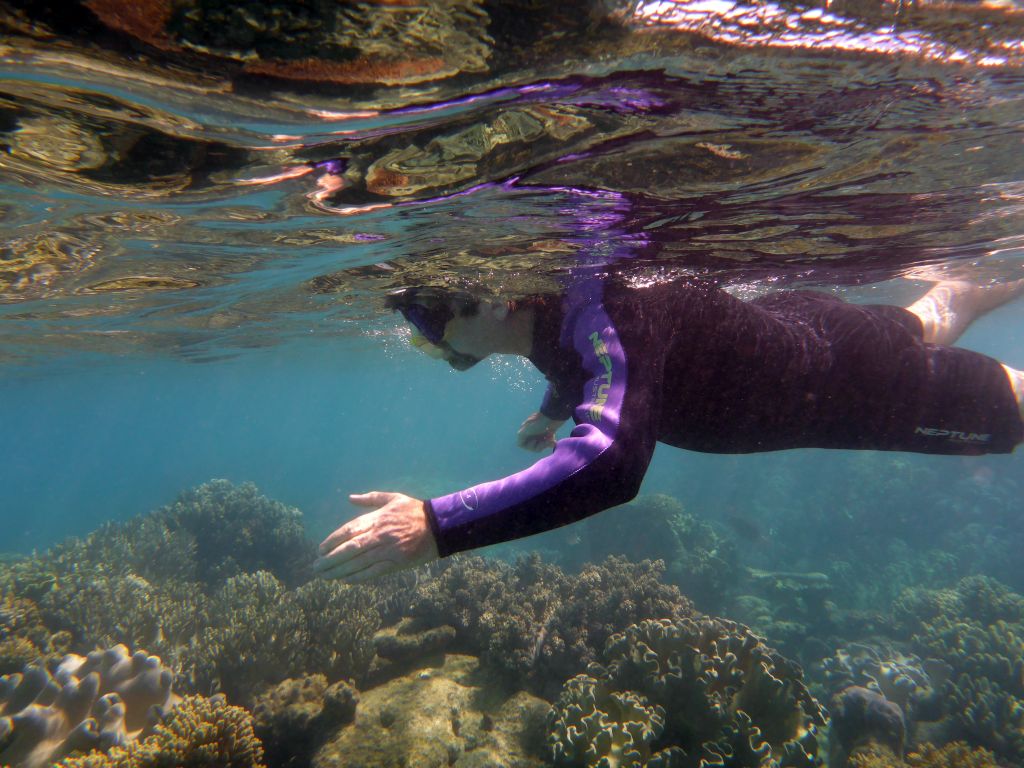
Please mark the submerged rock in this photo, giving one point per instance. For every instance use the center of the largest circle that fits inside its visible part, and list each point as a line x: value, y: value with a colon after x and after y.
x: 448, y: 715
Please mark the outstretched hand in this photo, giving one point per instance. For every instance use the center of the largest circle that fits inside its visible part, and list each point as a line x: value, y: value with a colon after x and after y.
x: 395, y: 536
x: 538, y: 433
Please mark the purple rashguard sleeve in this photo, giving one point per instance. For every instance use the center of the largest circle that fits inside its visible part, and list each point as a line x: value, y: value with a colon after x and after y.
x: 600, y: 465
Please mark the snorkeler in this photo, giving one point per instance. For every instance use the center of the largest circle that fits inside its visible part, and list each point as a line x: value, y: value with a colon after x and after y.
x: 687, y: 364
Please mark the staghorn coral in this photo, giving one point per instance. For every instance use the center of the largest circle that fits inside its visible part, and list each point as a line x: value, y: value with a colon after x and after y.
x: 727, y: 698
x: 294, y: 718
x: 100, y: 610
x: 96, y: 702
x: 237, y: 530
x: 261, y: 633
x: 953, y: 755
x: 534, y: 623
x: 198, y: 733
x: 24, y: 637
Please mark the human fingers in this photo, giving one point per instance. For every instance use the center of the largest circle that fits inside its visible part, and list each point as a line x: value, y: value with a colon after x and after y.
x: 349, y: 561
x: 379, y: 568
x: 348, y: 531
x: 371, y: 499
x: 346, y: 550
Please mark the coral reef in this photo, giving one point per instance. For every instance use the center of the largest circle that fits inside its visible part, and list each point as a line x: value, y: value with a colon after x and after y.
x: 592, y: 725
x: 294, y: 718
x: 177, y: 582
x: 452, y: 714
x: 208, y: 534
x: 913, y: 684
x: 97, y: 702
x: 864, y: 721
x: 237, y: 530
x: 727, y: 698
x: 198, y: 733
x: 702, y: 562
x: 976, y: 629
x: 261, y: 633
x: 536, y: 624
x: 790, y: 607
x: 953, y: 755
x: 24, y: 637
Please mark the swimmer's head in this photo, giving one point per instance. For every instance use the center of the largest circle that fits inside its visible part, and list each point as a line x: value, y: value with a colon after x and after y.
x: 429, y: 311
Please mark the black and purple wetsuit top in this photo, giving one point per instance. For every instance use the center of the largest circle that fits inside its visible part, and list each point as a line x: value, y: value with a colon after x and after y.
x: 687, y: 364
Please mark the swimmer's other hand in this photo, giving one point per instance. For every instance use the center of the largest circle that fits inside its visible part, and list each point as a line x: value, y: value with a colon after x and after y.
x: 393, y: 537
x: 538, y: 433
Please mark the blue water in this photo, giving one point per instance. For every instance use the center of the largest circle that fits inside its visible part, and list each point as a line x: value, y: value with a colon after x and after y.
x: 315, y: 421
x: 193, y: 264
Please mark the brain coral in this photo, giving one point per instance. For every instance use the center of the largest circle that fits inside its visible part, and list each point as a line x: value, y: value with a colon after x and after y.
x: 103, y: 700
x: 728, y: 699
x: 537, y: 624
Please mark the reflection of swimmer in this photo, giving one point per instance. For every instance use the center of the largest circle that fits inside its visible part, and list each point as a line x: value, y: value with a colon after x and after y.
x: 687, y: 364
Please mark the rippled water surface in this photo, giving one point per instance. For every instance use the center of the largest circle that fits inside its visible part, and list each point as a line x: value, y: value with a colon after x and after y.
x: 198, y: 178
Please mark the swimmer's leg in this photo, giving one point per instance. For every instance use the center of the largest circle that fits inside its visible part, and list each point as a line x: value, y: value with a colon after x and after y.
x: 1017, y: 382
x: 952, y: 305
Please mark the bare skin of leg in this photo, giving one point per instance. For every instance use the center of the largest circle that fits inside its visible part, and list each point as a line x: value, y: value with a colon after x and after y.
x: 952, y: 305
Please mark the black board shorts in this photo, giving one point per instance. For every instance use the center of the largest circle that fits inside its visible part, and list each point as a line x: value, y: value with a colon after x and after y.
x: 887, y: 389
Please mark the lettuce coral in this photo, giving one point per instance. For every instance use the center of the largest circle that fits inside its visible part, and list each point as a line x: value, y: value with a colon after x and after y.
x: 727, y: 698
x: 592, y: 725
x: 533, y: 622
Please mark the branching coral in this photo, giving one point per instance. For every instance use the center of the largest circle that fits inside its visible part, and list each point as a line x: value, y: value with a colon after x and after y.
x: 95, y: 702
x: 261, y: 633
x: 727, y: 698
x: 207, y: 535
x: 535, y: 623
x: 953, y: 755
x: 977, y: 629
x: 23, y: 636
x: 198, y: 733
x: 237, y: 530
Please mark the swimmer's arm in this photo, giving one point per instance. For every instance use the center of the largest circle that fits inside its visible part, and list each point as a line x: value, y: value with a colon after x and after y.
x: 600, y: 465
